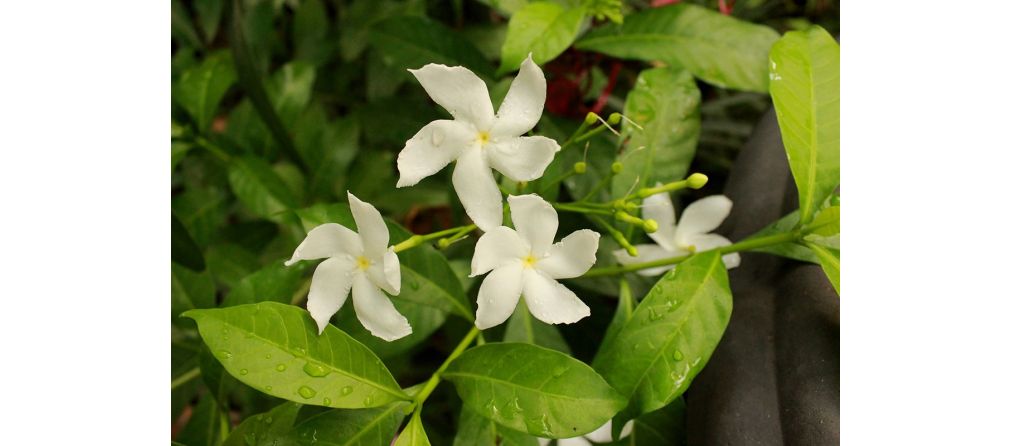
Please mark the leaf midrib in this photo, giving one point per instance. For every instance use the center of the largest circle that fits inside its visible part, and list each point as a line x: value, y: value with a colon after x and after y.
x: 399, y: 395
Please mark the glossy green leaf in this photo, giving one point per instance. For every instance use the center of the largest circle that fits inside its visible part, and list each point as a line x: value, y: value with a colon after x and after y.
x: 362, y: 427
x: 290, y: 89
x: 272, y: 283
x: 533, y: 389
x: 259, y: 188
x: 208, y: 12
x: 666, y: 426
x: 664, y: 103
x: 413, y: 434
x: 190, y: 290
x: 201, y: 88
x: 274, y: 348
x: 625, y: 309
x: 523, y: 327
x: 830, y: 261
x: 207, y: 426
x: 411, y: 42
x: 542, y: 28
x: 215, y: 378
x: 184, y: 249
x: 267, y: 429
x: 805, y: 89
x: 795, y: 251
x: 827, y: 222
x: 671, y: 335
x: 718, y: 49
x: 475, y: 430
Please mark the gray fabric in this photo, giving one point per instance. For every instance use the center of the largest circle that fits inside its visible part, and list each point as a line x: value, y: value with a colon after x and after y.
x: 773, y: 380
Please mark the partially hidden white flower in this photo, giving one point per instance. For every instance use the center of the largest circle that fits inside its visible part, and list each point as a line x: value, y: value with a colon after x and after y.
x: 362, y: 263
x: 691, y: 235
x: 526, y: 261
x: 601, y: 435
x: 477, y: 139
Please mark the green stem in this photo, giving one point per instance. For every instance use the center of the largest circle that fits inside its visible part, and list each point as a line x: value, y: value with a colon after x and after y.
x: 581, y: 209
x: 557, y: 180
x: 595, y: 131
x: 745, y: 245
x: 186, y: 377
x: 621, y: 240
x: 437, y: 376
x: 417, y: 239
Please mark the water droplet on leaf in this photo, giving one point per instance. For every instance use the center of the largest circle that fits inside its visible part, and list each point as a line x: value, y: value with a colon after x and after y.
x: 346, y: 390
x: 315, y: 370
x: 281, y: 367
x: 243, y: 372
x: 306, y: 392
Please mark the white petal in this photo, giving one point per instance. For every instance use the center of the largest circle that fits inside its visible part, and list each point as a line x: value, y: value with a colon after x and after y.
x: 703, y: 216
x: 551, y: 301
x: 386, y: 275
x: 495, y: 247
x: 371, y: 227
x: 705, y: 242
x: 524, y: 158
x: 572, y: 256
x: 574, y: 441
x: 459, y: 91
x: 648, y: 253
x: 327, y: 240
x: 328, y: 291
x: 376, y: 313
x: 432, y: 148
x: 477, y: 190
x: 499, y: 294
x: 535, y: 220
x: 659, y: 207
x: 524, y: 103
x: 602, y: 435
x: 543, y: 441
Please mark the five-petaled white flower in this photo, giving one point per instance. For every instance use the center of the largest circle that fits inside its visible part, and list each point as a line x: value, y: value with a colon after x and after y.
x: 601, y: 435
x: 691, y: 235
x: 524, y: 261
x: 477, y: 139
x: 362, y: 263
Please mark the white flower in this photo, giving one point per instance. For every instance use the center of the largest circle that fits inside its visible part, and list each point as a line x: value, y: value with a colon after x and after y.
x: 524, y: 261
x: 362, y: 263
x: 601, y: 435
x: 477, y: 139
x: 691, y: 235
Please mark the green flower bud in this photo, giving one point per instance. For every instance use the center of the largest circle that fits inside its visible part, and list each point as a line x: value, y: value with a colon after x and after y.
x: 650, y: 226
x: 580, y: 167
x: 591, y: 118
x: 697, y: 180
x: 617, y: 167
x: 614, y: 119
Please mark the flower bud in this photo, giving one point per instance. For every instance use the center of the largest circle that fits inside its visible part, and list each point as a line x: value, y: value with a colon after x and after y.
x: 580, y: 167
x: 650, y: 226
x: 591, y: 118
x: 697, y: 180
x: 617, y: 167
x: 443, y: 243
x: 614, y: 118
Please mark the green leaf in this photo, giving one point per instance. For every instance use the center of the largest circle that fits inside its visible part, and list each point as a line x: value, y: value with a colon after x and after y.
x: 413, y: 434
x: 523, y: 327
x: 411, y: 42
x: 625, y: 308
x: 544, y: 29
x: 665, y: 103
x: 179, y: 151
x: 182, y: 26
x: 259, y: 188
x: 328, y: 147
x: 201, y: 88
x: 184, y: 249
x: 311, y: 26
x: 206, y: 427
x: 185, y: 363
x: 274, y: 348
x: 190, y: 290
x: 827, y: 222
x: 290, y: 89
x: 533, y: 389
x: 364, y: 427
x: 209, y: 14
x: 805, y: 90
x: 671, y: 335
x: 666, y: 426
x: 795, y: 251
x: 267, y: 429
x: 718, y: 49
x: 273, y: 283
x: 475, y: 430
x: 830, y: 261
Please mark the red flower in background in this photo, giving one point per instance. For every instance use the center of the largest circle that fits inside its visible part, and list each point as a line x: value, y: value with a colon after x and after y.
x: 570, y: 80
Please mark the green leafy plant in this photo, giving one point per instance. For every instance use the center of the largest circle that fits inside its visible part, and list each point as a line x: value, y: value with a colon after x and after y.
x: 342, y: 247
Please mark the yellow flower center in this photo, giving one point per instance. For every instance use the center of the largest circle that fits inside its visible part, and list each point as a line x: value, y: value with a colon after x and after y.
x: 483, y: 138
x: 529, y: 261
x: 364, y: 263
